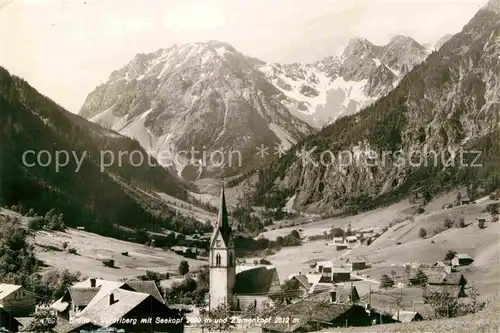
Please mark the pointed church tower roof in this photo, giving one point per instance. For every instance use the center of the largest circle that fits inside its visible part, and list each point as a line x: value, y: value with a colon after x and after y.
x: 222, y: 225
x: 223, y: 220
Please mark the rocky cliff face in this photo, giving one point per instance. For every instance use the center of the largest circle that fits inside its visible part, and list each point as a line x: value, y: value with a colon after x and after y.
x: 334, y: 87
x: 448, y: 103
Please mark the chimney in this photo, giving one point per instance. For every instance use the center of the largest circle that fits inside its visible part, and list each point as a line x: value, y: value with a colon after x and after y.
x: 92, y: 283
x: 300, y: 272
x: 333, y: 296
x: 111, y: 299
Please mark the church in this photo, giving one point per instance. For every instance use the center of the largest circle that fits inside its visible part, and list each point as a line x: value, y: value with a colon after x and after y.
x: 232, y: 286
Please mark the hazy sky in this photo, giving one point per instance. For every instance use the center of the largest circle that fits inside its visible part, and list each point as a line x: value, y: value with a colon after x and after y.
x: 65, y: 48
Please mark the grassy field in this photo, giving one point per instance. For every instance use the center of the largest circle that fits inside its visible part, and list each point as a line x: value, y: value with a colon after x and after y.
x: 92, y: 247
x: 486, y: 321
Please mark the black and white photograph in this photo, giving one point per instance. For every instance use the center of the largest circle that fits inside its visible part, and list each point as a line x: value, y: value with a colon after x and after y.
x: 250, y: 166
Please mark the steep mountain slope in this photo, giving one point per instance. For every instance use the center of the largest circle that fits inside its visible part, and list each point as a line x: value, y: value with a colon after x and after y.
x: 85, y: 194
x: 322, y: 92
x: 450, y: 101
x: 203, y: 96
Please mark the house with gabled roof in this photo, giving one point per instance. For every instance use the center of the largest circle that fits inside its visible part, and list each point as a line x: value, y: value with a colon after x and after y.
x: 304, y: 285
x: 337, y: 294
x: 256, y: 286
x: 17, y: 300
x: 85, y: 293
x: 130, y: 311
x: 407, y: 316
x: 308, y: 316
x: 461, y: 259
x: 453, y: 283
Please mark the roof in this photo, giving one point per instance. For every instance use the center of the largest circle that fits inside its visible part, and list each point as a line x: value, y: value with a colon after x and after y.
x: 259, y: 279
x: 314, y: 278
x: 351, y: 238
x: 82, y: 296
x: 356, y: 260
x: 342, y: 294
x: 337, y: 269
x: 443, y: 278
x: 7, y: 289
x: 60, y: 305
x: 405, y: 316
x: 146, y: 287
x: 320, y: 287
x: 105, y: 287
x: 102, y: 314
x: 462, y: 256
x: 303, y: 280
x: 306, y: 311
x: 222, y: 225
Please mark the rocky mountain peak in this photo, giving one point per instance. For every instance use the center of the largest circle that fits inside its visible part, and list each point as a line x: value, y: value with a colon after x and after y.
x: 357, y: 46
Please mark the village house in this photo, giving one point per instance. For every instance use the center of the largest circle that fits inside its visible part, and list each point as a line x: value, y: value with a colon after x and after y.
x: 307, y: 316
x: 333, y: 273
x: 351, y: 239
x: 85, y: 293
x: 407, y: 316
x: 341, y: 247
x: 338, y: 240
x: 379, y: 316
x: 461, y: 259
x: 337, y: 294
x: 124, y: 310
x: 303, y: 284
x: 255, y: 286
x: 452, y: 283
x: 356, y: 263
x: 15, y: 299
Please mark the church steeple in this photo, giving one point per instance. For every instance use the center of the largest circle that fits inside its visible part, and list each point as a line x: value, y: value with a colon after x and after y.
x: 222, y: 259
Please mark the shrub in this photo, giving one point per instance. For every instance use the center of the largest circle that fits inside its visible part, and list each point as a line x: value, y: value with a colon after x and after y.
x: 183, y: 267
x: 448, y: 223
x: 480, y: 224
x: 461, y: 223
x: 493, y: 208
x: 450, y: 255
x: 420, y: 210
x: 72, y: 250
x: 494, y: 218
x: 64, y: 245
x: 422, y: 233
x: 386, y: 282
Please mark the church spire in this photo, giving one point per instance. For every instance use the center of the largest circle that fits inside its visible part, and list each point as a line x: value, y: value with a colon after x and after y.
x: 223, y: 221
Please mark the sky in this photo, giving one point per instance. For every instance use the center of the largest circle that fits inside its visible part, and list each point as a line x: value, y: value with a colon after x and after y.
x: 65, y: 48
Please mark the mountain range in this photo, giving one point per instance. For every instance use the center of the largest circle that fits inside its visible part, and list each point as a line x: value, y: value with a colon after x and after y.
x: 448, y: 106
x: 210, y: 97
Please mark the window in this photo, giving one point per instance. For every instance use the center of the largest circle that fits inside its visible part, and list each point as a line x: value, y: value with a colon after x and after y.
x: 218, y: 260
